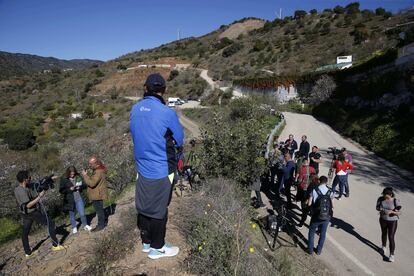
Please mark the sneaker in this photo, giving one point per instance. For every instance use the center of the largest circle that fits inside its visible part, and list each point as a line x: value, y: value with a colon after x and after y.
x: 391, y: 258
x: 74, y: 230
x: 346, y: 195
x: 31, y: 255
x: 58, y: 247
x: 87, y: 228
x: 339, y: 198
x: 300, y: 226
x: 146, y: 247
x: 382, y: 250
x: 309, y: 251
x: 165, y: 251
x: 98, y: 228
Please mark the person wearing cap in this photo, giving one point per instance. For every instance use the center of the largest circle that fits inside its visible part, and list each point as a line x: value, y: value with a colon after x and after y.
x: 156, y: 134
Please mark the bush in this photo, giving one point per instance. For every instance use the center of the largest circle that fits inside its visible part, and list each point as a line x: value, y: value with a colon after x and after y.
x: 299, y: 14
x: 19, y: 138
x: 173, y: 74
x: 232, y: 49
x: 233, y: 141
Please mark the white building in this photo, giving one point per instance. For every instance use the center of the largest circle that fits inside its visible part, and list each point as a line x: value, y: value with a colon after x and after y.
x: 76, y: 115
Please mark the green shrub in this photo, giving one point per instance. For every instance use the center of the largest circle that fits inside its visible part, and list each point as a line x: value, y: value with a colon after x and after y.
x: 9, y: 229
x: 19, y: 138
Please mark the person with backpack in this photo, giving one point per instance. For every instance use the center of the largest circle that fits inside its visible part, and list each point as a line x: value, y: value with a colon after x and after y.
x: 390, y: 210
x: 321, y: 206
x: 303, y: 178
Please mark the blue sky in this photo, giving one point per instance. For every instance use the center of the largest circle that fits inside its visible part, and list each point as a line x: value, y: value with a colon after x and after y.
x: 106, y: 29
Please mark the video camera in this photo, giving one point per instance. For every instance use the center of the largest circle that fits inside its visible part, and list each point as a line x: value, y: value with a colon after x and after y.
x: 44, y: 184
x: 334, y: 151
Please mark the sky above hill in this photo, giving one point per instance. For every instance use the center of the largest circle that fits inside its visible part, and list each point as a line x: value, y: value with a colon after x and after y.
x: 106, y: 29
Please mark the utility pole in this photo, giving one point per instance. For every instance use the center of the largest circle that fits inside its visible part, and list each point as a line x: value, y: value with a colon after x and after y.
x: 178, y: 34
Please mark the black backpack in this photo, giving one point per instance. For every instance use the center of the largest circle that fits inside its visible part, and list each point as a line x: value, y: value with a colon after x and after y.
x: 323, y: 205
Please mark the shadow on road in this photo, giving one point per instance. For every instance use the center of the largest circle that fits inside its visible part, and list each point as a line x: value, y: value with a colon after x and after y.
x: 340, y: 224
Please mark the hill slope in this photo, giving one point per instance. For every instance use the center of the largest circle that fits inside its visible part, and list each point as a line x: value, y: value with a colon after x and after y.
x: 20, y: 64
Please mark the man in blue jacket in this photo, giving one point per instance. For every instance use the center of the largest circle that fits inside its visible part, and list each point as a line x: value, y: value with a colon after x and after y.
x: 156, y: 133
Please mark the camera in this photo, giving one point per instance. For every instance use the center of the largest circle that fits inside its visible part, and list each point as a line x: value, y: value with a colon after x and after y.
x: 334, y: 151
x: 44, y: 184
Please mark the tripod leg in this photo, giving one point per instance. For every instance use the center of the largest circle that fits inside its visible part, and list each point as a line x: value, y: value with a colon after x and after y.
x: 275, y: 236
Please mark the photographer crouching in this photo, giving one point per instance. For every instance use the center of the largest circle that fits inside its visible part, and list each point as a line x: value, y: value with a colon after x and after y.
x: 29, y: 196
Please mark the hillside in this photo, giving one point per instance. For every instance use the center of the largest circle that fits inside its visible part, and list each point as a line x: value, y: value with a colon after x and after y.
x: 293, y: 45
x: 12, y: 64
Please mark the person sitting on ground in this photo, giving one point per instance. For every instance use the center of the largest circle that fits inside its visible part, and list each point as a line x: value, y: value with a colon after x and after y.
x: 390, y: 210
x: 303, y: 178
x: 291, y: 145
x: 342, y: 168
x: 29, y: 200
x: 304, y: 147
x: 97, y: 189
x: 315, y: 159
x: 321, y: 206
x: 71, y: 187
x: 156, y: 134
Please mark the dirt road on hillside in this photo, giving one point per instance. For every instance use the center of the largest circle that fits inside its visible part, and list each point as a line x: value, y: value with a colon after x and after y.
x: 354, y: 238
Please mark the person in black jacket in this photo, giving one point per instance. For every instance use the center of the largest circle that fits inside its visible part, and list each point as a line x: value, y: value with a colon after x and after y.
x: 291, y: 145
x: 71, y: 186
x: 304, y: 147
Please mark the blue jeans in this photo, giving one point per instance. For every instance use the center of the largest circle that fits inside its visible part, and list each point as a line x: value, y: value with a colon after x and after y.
x: 80, y: 207
x: 343, y: 183
x: 315, y: 224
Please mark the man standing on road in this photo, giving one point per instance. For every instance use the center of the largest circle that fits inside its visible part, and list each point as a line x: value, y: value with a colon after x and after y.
x: 288, y: 178
x: 156, y: 133
x: 303, y: 178
x: 97, y: 189
x: 315, y: 159
x: 322, y: 212
x: 304, y: 147
x: 291, y: 145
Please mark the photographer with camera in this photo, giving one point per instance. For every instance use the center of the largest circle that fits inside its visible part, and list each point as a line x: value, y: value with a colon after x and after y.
x: 29, y: 196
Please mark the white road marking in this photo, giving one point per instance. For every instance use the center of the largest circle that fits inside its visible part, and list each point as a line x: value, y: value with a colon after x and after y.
x: 349, y: 255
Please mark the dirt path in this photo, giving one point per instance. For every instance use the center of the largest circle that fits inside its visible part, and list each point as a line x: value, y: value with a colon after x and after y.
x: 352, y: 244
x: 190, y: 125
x: 79, y: 246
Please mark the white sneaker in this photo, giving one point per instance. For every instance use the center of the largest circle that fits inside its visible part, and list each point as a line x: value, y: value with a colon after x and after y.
x: 165, y: 251
x: 87, y: 228
x: 382, y: 250
x: 74, y: 230
x: 391, y: 258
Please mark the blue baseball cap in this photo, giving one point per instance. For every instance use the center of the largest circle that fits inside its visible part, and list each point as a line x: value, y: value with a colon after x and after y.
x: 154, y: 81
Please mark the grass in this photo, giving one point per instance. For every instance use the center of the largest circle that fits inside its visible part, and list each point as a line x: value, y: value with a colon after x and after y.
x: 9, y: 229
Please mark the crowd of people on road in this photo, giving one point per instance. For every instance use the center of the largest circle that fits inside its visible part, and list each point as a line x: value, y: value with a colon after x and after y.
x: 296, y: 168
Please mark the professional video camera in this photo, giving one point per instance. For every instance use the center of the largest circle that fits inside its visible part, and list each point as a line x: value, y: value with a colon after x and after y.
x: 43, y: 184
x: 334, y: 151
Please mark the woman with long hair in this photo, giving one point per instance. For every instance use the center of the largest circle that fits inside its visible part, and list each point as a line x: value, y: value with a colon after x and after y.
x: 71, y: 186
x: 390, y: 209
x: 342, y: 168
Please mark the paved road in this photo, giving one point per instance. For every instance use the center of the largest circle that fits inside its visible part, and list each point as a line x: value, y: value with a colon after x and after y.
x: 352, y: 243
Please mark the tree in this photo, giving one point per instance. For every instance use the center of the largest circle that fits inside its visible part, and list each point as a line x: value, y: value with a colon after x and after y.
x: 19, y: 138
x: 299, y: 14
x: 360, y: 33
x: 339, y: 10
x: 367, y: 14
x: 173, y: 74
x: 232, y: 49
x: 352, y: 8
x: 99, y: 73
x: 259, y: 45
x: 380, y: 11
x: 321, y: 90
x: 313, y: 12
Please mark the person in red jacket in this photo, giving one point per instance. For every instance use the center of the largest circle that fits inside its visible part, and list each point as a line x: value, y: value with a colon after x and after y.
x: 342, y: 168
